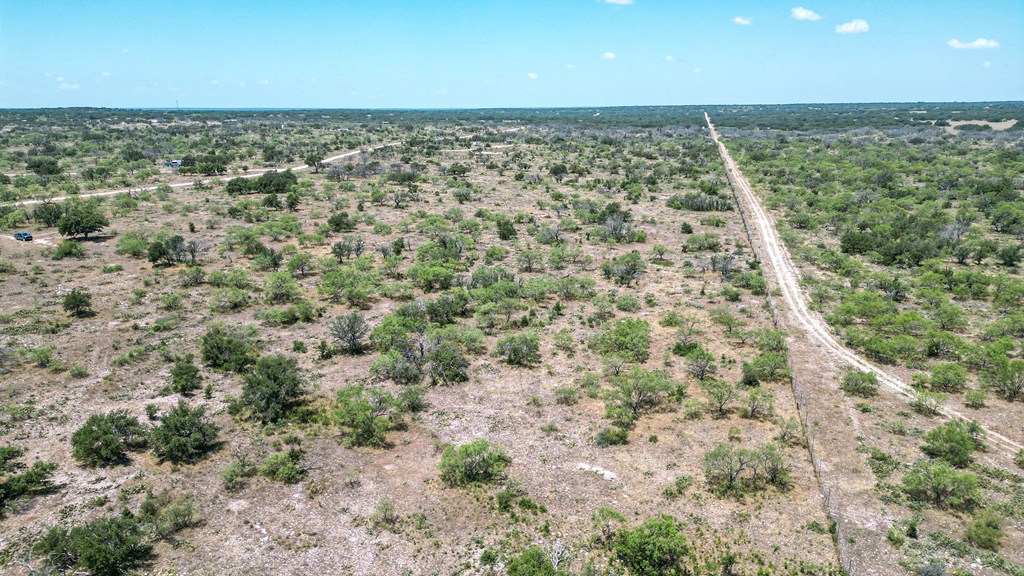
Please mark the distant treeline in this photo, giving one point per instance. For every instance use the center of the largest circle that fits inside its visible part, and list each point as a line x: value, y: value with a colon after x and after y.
x: 800, y: 117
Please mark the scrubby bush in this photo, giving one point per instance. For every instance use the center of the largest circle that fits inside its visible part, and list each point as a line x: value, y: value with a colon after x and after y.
x: 657, y: 547
x: 534, y: 561
x: 954, y: 441
x: 106, y: 439
x: 184, y: 435
x: 628, y: 339
x: 474, y: 463
x: 939, y: 484
x: 271, y: 387
x: 519, y: 349
x: 34, y: 480
x: 69, y: 249
x: 102, y: 547
x: 862, y: 384
x: 78, y: 302
x: 348, y: 331
x: 284, y: 466
x: 185, y: 377
x: 985, y: 530
x: 227, y: 349
x: 364, y: 415
x: 611, y: 436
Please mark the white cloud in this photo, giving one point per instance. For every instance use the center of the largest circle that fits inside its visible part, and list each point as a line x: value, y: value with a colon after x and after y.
x: 696, y: 70
x: 570, y: 66
x: 532, y: 75
x: 241, y: 84
x: 618, y: 2
x: 67, y: 86
x: 743, y: 20
x: 801, y: 13
x: 264, y: 82
x: 670, y: 59
x: 979, y: 43
x: 214, y: 82
x: 987, y: 64
x: 608, y: 55
x: 857, y: 26
x: 104, y: 73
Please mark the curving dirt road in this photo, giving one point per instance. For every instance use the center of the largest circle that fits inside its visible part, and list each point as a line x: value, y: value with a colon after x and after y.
x: 787, y: 277
x: 250, y: 174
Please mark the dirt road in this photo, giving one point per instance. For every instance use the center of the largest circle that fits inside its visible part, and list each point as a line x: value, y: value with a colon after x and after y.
x: 251, y: 174
x: 811, y: 322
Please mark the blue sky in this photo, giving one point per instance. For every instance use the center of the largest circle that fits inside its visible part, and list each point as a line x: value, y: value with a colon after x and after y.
x: 511, y: 53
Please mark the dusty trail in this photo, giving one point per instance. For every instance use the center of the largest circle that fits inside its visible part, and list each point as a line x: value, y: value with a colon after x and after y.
x: 811, y: 322
x: 251, y: 174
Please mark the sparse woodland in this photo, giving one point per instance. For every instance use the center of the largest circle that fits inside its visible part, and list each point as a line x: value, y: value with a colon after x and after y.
x: 490, y: 342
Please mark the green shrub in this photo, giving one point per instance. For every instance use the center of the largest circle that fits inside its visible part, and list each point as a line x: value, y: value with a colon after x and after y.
x: 948, y: 377
x: 985, y: 530
x: 69, y: 249
x: 106, y: 439
x: 284, y: 466
x: 954, y: 441
x: 184, y: 435
x: 628, y: 339
x: 185, y: 377
x: 102, y: 547
x: 271, y: 387
x: 862, y: 384
x: 237, y: 472
x: 364, y: 415
x: 519, y: 349
x: 78, y: 302
x: 227, y: 349
x: 534, y: 561
x: 478, y: 462
x: 348, y: 331
x: 35, y: 480
x: 611, y: 436
x: 939, y: 484
x: 657, y: 547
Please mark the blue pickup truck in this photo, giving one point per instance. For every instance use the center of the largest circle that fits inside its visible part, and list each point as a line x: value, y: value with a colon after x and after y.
x: 23, y: 236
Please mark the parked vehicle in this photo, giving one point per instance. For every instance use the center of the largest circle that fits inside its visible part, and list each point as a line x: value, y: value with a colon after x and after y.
x: 23, y: 236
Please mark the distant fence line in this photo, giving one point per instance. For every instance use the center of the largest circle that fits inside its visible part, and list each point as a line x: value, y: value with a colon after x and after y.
x: 833, y: 501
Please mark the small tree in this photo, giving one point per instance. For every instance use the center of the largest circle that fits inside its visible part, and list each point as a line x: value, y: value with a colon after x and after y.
x: 719, y: 395
x: 628, y: 338
x: 227, y: 349
x: 954, y: 441
x: 184, y: 435
x: 349, y: 331
x: 271, y: 387
x: 636, y: 391
x: 282, y: 287
x: 105, y: 439
x: 941, y: 485
x: 82, y: 219
x: 78, y: 302
x: 657, y: 547
x: 364, y: 415
x: 519, y: 349
x: 477, y: 462
x: 185, y: 376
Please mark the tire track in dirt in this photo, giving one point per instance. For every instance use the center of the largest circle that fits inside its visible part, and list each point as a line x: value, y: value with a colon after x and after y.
x: 812, y: 323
